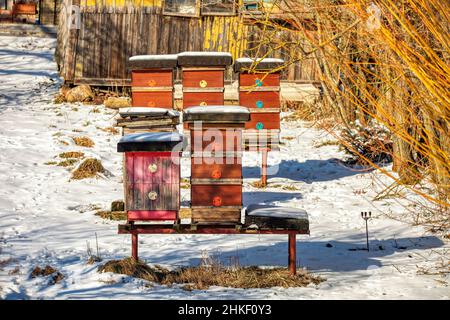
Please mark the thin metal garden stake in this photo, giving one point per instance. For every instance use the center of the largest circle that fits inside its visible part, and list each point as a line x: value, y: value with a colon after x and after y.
x: 366, y: 216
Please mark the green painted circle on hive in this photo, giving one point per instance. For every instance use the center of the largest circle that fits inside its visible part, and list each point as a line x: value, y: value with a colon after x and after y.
x: 259, y: 104
x: 259, y: 126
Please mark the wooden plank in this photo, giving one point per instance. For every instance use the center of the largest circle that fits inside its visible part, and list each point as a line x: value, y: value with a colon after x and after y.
x: 152, y: 89
x: 221, y: 181
x: 149, y: 123
x: 203, y: 90
x: 123, y: 31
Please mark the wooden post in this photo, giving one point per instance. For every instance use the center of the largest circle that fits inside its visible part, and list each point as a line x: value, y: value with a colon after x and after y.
x: 292, y: 254
x: 134, y: 246
x: 265, y: 153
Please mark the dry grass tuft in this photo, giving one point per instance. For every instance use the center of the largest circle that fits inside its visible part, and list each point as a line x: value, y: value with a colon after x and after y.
x: 63, y: 142
x: 4, y: 263
x: 110, y: 130
x: 137, y: 269
x: 67, y: 162
x: 83, y: 142
x: 289, y: 187
x: 112, y: 215
x: 39, y: 272
x: 202, y: 277
x: 89, y: 168
x: 59, y: 98
x: 258, y: 184
x: 47, y: 271
x: 72, y: 155
x: 326, y: 143
x: 300, y: 111
x: 50, y: 163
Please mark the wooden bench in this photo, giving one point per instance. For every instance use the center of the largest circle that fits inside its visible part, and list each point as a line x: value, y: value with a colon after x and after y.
x: 259, y: 219
x: 23, y: 9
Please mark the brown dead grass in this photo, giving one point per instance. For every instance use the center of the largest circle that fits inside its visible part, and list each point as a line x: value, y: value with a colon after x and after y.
x: 258, y: 184
x: 67, y: 162
x: 63, y: 142
x: 110, y: 130
x: 288, y: 187
x: 71, y: 154
x: 47, y: 271
x: 326, y: 143
x: 300, y: 111
x: 112, y: 215
x: 89, y: 168
x: 202, y: 277
x: 4, y: 263
x: 83, y: 142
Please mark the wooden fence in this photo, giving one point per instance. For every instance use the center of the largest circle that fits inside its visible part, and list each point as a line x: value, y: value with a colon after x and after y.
x: 97, y: 53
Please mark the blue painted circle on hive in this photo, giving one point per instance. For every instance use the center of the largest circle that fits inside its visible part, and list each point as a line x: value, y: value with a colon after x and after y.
x: 259, y: 126
x: 258, y: 82
x: 259, y: 104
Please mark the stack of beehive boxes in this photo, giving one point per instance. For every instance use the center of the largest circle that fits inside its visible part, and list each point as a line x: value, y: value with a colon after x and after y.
x: 152, y: 86
x: 216, y: 164
x: 203, y: 76
x: 152, y: 80
x: 259, y: 90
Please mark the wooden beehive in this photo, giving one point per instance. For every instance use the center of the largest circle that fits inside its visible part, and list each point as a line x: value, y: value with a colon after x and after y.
x: 259, y: 90
x: 216, y: 164
x: 203, y: 77
x: 143, y: 119
x: 151, y: 175
x: 152, y: 80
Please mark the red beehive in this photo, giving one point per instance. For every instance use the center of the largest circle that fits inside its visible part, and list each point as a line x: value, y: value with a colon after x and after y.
x: 259, y: 90
x: 152, y: 175
x: 216, y: 167
x: 152, y: 80
x: 203, y: 77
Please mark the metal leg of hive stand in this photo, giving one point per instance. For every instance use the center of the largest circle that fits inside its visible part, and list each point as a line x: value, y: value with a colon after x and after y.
x: 264, y: 167
x: 292, y: 254
x: 134, y: 246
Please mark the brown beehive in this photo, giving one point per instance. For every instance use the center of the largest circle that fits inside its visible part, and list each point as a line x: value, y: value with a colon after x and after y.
x: 203, y: 77
x: 152, y: 80
x: 151, y: 175
x: 216, y: 164
x: 259, y: 90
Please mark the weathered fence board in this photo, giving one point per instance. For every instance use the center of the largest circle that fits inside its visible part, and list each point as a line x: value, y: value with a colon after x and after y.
x: 98, y: 52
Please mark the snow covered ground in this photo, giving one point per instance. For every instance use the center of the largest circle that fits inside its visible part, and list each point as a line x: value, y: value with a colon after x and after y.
x: 47, y: 219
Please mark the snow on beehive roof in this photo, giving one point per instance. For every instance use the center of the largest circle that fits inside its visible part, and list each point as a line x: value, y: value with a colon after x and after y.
x: 276, y: 212
x: 153, y: 61
x: 152, y: 137
x: 266, y: 60
x: 257, y: 63
x: 154, y: 57
x: 137, y: 111
x: 204, y: 58
x: 205, y: 53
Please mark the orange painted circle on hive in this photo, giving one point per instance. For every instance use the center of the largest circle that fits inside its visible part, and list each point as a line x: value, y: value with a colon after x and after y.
x: 217, y: 201
x: 151, y: 104
x: 152, y: 83
x: 216, y: 174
